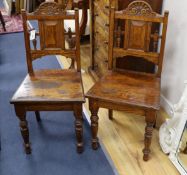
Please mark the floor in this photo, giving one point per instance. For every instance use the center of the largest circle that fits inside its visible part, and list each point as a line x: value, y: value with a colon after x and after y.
x: 123, y: 137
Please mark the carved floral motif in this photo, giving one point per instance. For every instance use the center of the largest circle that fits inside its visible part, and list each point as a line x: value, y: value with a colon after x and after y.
x: 139, y: 8
x: 49, y: 8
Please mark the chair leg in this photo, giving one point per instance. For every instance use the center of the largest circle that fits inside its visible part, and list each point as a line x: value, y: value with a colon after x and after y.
x: 150, y: 121
x: 37, y: 113
x: 185, y: 149
x: 79, y: 127
x: 110, y: 114
x: 21, y: 114
x: 94, y: 124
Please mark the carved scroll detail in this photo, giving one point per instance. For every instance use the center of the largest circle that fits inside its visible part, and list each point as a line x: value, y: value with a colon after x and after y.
x: 139, y: 8
x: 49, y: 8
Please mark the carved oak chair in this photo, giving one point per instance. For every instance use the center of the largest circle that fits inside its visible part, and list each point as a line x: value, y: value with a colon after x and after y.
x: 131, y: 91
x: 50, y: 90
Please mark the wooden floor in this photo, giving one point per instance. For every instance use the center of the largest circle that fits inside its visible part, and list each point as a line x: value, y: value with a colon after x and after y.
x: 123, y: 137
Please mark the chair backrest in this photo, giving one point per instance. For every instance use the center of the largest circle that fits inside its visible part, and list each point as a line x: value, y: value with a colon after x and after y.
x: 51, y: 34
x: 136, y: 38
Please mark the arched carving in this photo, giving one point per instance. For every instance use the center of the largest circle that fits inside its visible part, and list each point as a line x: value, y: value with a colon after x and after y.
x: 139, y: 8
x: 49, y: 8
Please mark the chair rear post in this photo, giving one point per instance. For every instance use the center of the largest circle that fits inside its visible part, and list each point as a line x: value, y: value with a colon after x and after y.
x: 77, y: 40
x: 111, y: 38
x: 27, y: 42
x: 163, y: 41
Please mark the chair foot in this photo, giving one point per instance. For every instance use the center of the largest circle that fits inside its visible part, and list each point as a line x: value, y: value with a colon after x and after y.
x: 185, y: 149
x: 80, y: 148
x: 38, y: 118
x: 146, y: 155
x: 110, y: 114
x: 27, y: 148
x: 95, y: 144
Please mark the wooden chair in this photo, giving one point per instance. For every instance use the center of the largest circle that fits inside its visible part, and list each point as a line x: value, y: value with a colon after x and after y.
x: 129, y: 91
x: 50, y: 90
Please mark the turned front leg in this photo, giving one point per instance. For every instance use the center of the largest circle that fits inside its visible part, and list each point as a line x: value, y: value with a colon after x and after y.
x: 150, y: 119
x: 79, y: 127
x: 94, y: 123
x: 21, y: 114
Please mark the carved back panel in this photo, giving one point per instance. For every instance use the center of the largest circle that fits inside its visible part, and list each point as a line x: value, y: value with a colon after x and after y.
x: 137, y: 33
x: 49, y: 32
x: 135, y: 39
x: 50, y: 37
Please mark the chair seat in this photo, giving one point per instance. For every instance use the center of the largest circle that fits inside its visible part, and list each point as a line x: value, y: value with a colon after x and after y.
x: 142, y: 90
x: 50, y: 86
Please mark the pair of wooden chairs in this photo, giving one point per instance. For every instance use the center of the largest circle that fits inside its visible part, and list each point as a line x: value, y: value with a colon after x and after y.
x: 56, y: 90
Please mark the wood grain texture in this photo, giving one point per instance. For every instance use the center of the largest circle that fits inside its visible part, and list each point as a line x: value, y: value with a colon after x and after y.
x: 127, y: 88
x: 50, y: 86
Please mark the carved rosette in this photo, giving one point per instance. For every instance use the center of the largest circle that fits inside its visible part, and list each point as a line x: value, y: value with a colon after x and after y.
x: 139, y: 8
x: 49, y: 8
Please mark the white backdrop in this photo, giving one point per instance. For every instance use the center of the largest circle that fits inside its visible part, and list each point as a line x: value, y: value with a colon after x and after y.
x: 175, y: 60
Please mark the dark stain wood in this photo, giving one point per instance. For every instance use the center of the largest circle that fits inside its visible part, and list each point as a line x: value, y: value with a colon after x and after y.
x: 128, y: 88
x: 124, y: 90
x: 50, y: 90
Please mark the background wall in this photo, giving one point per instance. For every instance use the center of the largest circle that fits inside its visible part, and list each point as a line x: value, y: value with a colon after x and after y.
x: 175, y: 60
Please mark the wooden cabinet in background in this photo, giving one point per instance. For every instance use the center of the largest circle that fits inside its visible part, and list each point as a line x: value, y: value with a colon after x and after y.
x: 99, y: 12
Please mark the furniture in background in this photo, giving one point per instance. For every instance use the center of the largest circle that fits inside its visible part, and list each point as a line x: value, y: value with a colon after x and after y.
x: 99, y: 37
x: 2, y: 21
x: 83, y: 6
x: 50, y: 90
x: 84, y: 21
x: 125, y: 90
